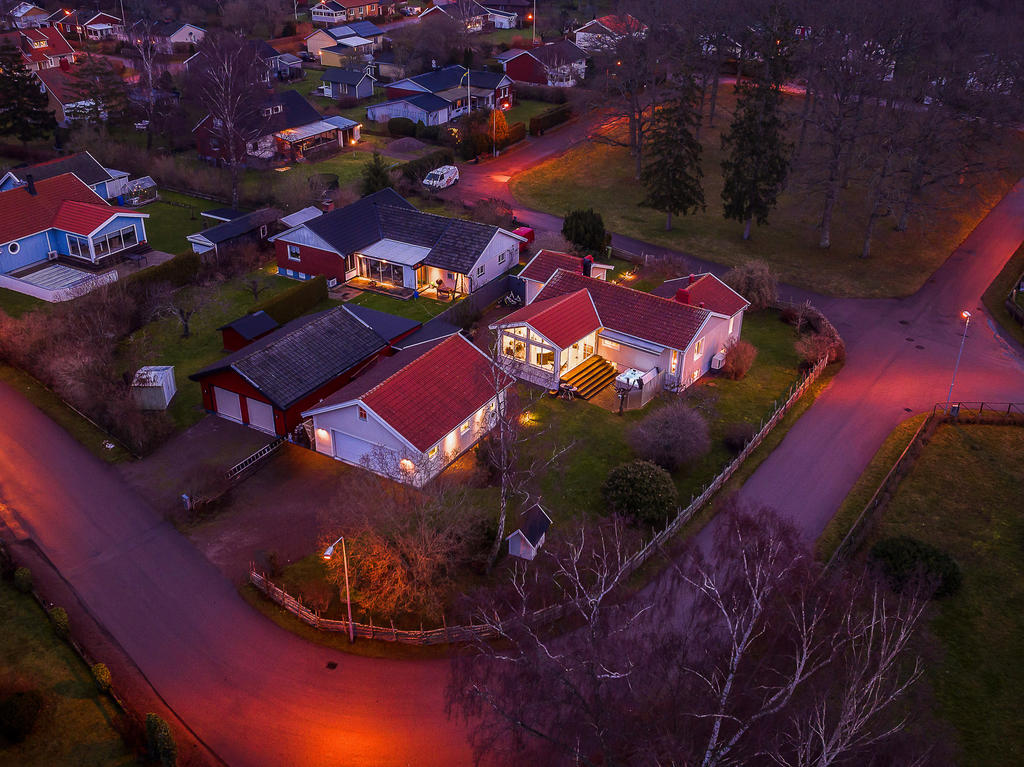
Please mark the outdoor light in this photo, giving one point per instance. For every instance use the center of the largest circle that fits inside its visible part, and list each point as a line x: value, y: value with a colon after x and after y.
x: 407, y: 465
x: 328, y: 553
x: 965, y: 314
x: 967, y: 321
x: 322, y: 434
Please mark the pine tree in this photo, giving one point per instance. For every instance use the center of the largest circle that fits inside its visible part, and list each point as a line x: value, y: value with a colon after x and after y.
x: 23, y: 106
x: 100, y: 90
x: 375, y: 175
x: 672, y: 172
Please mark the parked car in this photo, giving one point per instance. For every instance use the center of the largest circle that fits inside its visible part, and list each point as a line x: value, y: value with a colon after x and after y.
x: 442, y: 178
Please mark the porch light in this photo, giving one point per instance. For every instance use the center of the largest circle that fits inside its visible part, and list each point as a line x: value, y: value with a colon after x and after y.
x: 321, y: 434
x: 526, y: 419
x: 407, y: 465
x: 352, y: 142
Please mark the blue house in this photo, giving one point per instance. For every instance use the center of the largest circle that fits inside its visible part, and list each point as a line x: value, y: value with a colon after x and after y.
x: 107, y: 183
x: 63, y: 218
x: 339, y: 83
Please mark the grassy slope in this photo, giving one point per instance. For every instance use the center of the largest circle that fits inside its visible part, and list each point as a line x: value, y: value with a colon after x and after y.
x: 16, y: 304
x: 995, y: 297
x: 789, y: 242
x: 964, y: 496
x: 75, y: 726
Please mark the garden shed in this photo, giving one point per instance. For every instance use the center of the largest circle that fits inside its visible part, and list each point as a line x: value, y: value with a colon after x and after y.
x: 140, y: 192
x: 153, y: 387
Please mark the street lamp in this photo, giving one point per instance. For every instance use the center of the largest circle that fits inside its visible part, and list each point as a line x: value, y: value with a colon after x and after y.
x: 328, y: 553
x: 967, y: 321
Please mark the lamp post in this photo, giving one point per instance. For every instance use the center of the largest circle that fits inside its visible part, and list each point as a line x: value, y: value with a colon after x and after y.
x: 469, y: 103
x: 967, y: 321
x: 328, y: 553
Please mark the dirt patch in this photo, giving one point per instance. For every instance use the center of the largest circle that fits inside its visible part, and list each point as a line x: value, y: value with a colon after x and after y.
x: 406, y: 146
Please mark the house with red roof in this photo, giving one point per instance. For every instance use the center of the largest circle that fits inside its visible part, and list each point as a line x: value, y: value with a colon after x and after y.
x: 538, y: 270
x: 414, y: 413
x: 604, y: 32
x: 62, y: 218
x: 41, y: 47
x: 583, y: 333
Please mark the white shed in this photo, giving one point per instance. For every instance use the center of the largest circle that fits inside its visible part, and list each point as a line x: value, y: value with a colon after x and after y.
x: 526, y: 540
x: 153, y: 387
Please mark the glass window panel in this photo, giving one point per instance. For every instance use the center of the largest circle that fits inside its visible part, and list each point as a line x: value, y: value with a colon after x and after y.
x: 129, y: 236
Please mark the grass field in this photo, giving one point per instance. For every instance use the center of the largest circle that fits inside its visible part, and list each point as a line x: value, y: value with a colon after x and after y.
x: 964, y: 496
x: 419, y: 309
x: 995, y: 297
x: 168, y: 224
x: 75, y: 727
x: 601, y: 176
x: 16, y: 304
x: 523, y: 110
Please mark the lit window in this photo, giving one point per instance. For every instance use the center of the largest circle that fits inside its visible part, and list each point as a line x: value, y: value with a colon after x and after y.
x: 293, y: 253
x: 407, y: 465
x: 464, y: 428
x: 675, y: 362
x: 694, y: 375
x: 432, y: 453
x: 362, y: 414
x: 698, y: 349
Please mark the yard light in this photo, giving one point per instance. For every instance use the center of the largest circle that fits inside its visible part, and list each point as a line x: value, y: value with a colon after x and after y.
x: 407, y: 465
x: 328, y: 553
x: 967, y: 321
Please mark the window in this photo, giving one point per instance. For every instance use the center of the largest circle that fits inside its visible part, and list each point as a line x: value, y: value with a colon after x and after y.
x: 293, y: 253
x: 502, y: 256
x: 464, y: 428
x: 13, y: 248
x: 362, y: 414
x: 432, y: 453
x: 277, y: 110
x: 480, y: 271
x: 698, y: 349
x: 609, y: 344
x: 694, y: 375
x: 731, y: 321
x: 78, y: 246
x: 113, y: 242
x: 263, y: 231
x: 674, y: 366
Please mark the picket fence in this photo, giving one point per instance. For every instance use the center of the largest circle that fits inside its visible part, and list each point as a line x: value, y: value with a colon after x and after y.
x: 449, y: 634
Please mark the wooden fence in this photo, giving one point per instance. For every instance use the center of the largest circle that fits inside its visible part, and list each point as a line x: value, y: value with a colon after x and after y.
x: 957, y: 412
x: 447, y: 634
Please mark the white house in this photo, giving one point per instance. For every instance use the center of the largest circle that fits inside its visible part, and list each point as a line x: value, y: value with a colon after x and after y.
x: 604, y: 32
x: 538, y: 270
x: 526, y: 540
x: 27, y: 15
x: 581, y: 333
x: 167, y: 34
x: 412, y: 414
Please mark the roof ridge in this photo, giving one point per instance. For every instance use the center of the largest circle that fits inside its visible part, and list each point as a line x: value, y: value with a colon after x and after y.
x: 438, y: 345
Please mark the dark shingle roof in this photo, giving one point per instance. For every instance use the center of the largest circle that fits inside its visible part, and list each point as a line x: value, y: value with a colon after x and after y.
x: 449, y: 77
x: 427, y: 102
x: 346, y: 76
x: 299, y: 358
x: 82, y: 164
x: 264, y: 49
x: 434, y: 330
x: 296, y: 111
x: 222, y: 214
x: 387, y: 326
x: 460, y: 245
x: 252, y: 325
x: 357, y: 225
x: 535, y: 523
x: 241, y: 225
x: 558, y: 53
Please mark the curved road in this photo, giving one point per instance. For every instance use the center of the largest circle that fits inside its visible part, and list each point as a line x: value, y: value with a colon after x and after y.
x: 259, y: 696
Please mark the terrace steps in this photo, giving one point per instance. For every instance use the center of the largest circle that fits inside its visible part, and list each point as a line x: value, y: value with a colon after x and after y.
x: 590, y: 377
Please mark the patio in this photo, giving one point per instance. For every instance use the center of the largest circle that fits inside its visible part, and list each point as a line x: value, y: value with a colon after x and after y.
x: 384, y: 288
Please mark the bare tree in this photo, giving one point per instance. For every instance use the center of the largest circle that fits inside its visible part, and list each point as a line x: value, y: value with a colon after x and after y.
x: 144, y: 40
x: 182, y: 304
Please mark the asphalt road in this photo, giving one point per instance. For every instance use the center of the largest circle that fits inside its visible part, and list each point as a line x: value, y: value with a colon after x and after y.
x: 259, y: 696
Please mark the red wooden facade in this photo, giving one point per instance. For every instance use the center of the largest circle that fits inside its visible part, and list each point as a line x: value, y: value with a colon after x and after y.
x: 311, y: 261
x: 526, y: 69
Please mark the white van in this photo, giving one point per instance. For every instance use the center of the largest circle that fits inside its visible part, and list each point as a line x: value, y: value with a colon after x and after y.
x: 442, y: 178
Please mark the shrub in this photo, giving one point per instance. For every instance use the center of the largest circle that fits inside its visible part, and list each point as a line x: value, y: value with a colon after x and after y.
x: 907, y: 561
x: 756, y: 282
x: 813, y: 347
x: 177, y: 272
x: 640, y: 490
x: 549, y: 118
x: 671, y: 436
x: 59, y: 621
x: 18, y: 714
x: 737, y: 435
x: 541, y: 92
x: 415, y: 170
x: 401, y: 126
x: 516, y: 133
x: 494, y: 212
x: 584, y: 229
x: 296, y: 301
x: 739, y: 357
x: 23, y: 580
x: 101, y: 674
x: 160, y: 741
x: 376, y: 175
x: 428, y: 132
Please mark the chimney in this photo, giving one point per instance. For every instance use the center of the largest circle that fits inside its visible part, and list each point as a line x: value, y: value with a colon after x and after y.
x: 691, y: 279
x: 683, y: 296
x: 701, y: 304
x: 30, y: 184
x: 588, y: 266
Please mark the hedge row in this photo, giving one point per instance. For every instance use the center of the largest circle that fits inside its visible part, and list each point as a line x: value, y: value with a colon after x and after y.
x: 401, y: 126
x: 415, y: 170
x: 541, y: 93
x: 178, y: 271
x: 516, y: 133
x: 294, y: 302
x: 549, y: 118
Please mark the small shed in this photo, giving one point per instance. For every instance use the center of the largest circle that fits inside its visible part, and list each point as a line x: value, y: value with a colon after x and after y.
x: 247, y: 329
x: 153, y: 387
x: 527, y: 540
x: 140, y: 191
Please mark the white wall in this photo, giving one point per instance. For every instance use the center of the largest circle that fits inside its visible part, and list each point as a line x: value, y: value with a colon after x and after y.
x: 500, y: 244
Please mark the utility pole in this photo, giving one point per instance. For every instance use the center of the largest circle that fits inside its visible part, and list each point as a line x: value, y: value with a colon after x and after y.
x: 967, y: 321
x: 348, y: 595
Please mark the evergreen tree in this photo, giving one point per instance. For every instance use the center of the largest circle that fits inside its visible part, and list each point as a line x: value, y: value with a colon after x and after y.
x: 758, y: 154
x: 672, y: 173
x: 23, y: 106
x: 375, y: 175
x: 585, y: 230
x: 100, y: 90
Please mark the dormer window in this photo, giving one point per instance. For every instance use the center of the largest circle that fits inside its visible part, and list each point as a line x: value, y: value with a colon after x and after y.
x: 267, y: 112
x: 38, y: 43
x: 278, y: 110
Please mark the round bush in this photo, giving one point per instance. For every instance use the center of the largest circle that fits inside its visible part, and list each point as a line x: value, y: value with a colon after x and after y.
x: 59, y: 621
x: 401, y: 126
x: 907, y: 561
x: 756, y: 282
x: 18, y: 715
x: 641, y: 491
x: 671, y: 436
x: 160, y: 740
x: 101, y: 674
x: 737, y: 435
x: 739, y: 357
x: 23, y: 580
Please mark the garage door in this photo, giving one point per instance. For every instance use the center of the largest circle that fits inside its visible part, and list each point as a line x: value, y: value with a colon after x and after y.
x: 349, y: 448
x: 228, y: 404
x: 261, y: 415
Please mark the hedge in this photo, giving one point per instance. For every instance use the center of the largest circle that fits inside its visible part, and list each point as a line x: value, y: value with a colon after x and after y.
x: 415, y: 170
x: 516, y: 133
x: 294, y: 302
x: 180, y: 270
x: 549, y: 118
x: 401, y: 126
x: 541, y: 93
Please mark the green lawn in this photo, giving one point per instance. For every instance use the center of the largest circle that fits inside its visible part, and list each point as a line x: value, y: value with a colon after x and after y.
x: 995, y: 297
x: 964, y: 496
x: 600, y: 435
x: 16, y: 304
x: 168, y: 225
x: 75, y: 726
x: 347, y: 166
x: 419, y: 309
x: 499, y: 36
x: 161, y: 342
x: 523, y: 110
x: 601, y: 176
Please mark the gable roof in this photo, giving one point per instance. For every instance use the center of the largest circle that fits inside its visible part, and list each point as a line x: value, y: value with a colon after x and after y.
x: 558, y: 53
x: 59, y: 83
x: 547, y: 262
x: 263, y: 49
x: 355, y: 28
x: 252, y: 325
x: 62, y: 200
x: 168, y: 28
x: 56, y: 44
x: 390, y: 327
x: 563, y: 319
x: 704, y: 289
x: 632, y: 312
x: 438, y: 80
x: 345, y: 76
x: 535, y: 524
x: 329, y: 5
x: 460, y: 11
x: 302, y: 356
x: 622, y: 24
x: 357, y: 225
x: 82, y: 164
x: 243, y: 224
